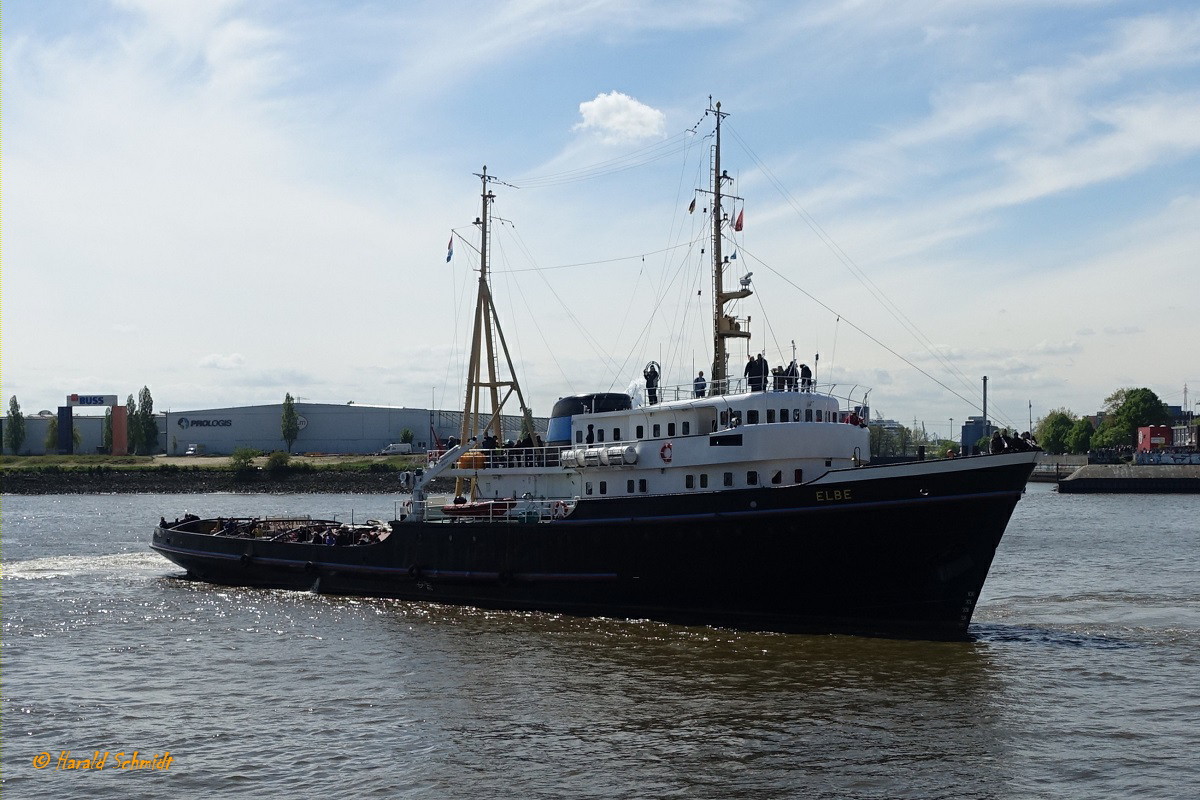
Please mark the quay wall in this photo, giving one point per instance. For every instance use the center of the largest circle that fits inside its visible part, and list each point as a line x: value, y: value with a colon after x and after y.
x: 1124, y: 478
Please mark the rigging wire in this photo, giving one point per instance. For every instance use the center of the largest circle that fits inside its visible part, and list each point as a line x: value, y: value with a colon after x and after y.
x: 566, y: 308
x: 810, y: 296
x: 601, y: 261
x: 861, y: 276
x: 656, y: 151
x: 638, y: 158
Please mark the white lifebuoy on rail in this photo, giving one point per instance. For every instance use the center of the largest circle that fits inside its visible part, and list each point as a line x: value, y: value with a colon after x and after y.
x: 559, y: 511
x: 665, y: 453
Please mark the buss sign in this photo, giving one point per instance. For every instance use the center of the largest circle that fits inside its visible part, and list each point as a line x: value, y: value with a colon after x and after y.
x: 91, y: 399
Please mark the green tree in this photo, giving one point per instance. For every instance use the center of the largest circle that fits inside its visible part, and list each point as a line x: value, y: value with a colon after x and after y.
x: 133, y: 435
x: 1079, y: 438
x: 51, y: 442
x: 1129, y: 409
x: 14, y: 427
x: 886, y: 442
x: 290, y: 422
x: 147, y: 424
x: 406, y: 436
x: 1052, y: 429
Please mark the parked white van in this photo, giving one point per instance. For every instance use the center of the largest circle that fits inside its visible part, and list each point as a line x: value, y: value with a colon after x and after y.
x: 396, y: 450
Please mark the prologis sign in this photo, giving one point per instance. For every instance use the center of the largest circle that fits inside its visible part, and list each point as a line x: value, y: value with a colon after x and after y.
x: 186, y: 422
x: 91, y: 400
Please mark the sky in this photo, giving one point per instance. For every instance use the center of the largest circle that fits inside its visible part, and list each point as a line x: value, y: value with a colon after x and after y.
x: 229, y: 201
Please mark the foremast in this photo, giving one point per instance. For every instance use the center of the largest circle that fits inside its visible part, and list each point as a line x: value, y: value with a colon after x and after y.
x: 725, y: 326
x: 486, y: 331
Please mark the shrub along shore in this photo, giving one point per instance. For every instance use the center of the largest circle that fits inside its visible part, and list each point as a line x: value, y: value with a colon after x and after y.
x: 163, y: 475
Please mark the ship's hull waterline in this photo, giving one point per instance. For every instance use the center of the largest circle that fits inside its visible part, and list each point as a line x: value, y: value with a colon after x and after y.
x: 900, y: 550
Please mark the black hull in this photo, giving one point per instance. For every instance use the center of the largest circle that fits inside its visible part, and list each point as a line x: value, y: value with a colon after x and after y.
x: 892, y: 551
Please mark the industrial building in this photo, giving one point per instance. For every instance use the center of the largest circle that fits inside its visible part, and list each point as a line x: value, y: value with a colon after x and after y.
x: 324, y: 428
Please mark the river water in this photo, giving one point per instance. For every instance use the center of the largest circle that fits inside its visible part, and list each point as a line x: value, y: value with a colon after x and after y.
x: 1082, y: 681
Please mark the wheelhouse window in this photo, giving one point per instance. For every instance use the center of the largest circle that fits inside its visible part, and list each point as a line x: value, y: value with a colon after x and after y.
x: 578, y: 437
x: 818, y: 415
x: 616, y: 434
x: 770, y: 415
x: 689, y: 481
x: 752, y: 478
x: 783, y: 415
x: 799, y: 476
x: 641, y: 432
x: 808, y: 415
x: 587, y: 487
x: 641, y: 484
x: 729, y: 479
x: 656, y: 431
x: 670, y: 429
x: 777, y: 478
x: 686, y: 427
x: 704, y: 480
x: 629, y: 486
x: 603, y: 487
x: 752, y: 416
x: 599, y: 434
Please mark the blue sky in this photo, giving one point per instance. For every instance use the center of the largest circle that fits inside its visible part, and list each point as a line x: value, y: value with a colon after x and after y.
x: 227, y: 201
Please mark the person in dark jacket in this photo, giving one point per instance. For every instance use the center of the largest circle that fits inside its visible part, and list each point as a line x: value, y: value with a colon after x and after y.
x: 763, y: 371
x: 651, y: 376
x: 790, y: 374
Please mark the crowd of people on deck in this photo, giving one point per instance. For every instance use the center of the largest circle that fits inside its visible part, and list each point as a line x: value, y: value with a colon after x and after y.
x: 761, y: 377
x: 1004, y: 441
x: 528, y: 451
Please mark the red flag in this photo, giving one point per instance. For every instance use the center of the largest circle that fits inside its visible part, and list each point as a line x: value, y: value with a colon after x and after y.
x: 737, y: 226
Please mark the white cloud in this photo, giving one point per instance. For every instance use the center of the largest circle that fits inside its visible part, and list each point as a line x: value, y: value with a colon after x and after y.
x: 1056, y: 348
x: 620, y: 119
x: 219, y: 361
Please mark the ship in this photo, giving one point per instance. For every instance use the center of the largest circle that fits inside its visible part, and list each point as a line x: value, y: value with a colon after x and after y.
x: 748, y: 502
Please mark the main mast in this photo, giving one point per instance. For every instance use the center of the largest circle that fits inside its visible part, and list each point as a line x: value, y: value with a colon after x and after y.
x: 724, y: 325
x: 485, y: 332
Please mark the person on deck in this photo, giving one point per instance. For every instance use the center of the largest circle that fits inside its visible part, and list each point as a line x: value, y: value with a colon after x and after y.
x: 763, y: 371
x: 651, y: 376
x: 790, y: 375
x: 750, y: 372
x: 699, y: 384
x: 806, y: 381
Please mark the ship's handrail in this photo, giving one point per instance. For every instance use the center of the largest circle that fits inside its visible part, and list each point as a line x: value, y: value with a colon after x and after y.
x: 731, y: 387
x: 523, y: 510
x: 502, y: 457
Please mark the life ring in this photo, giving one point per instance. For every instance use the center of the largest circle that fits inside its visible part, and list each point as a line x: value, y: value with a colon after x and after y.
x: 559, y: 511
x: 664, y: 453
x: 407, y: 507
